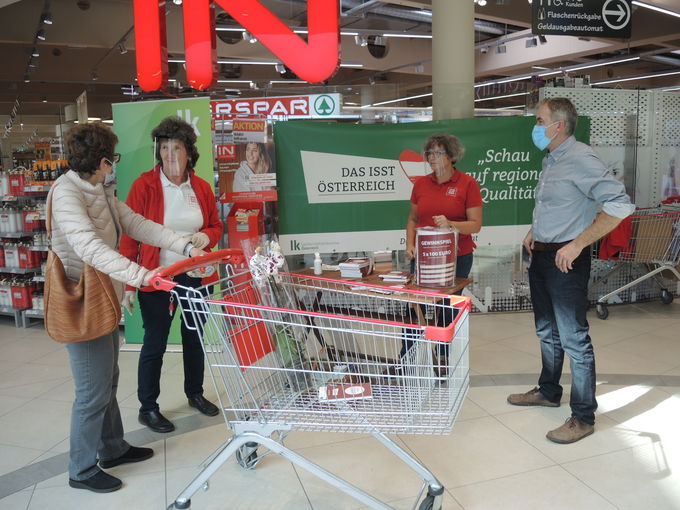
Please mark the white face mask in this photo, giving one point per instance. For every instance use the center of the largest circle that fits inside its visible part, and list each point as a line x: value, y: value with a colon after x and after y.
x: 110, y: 179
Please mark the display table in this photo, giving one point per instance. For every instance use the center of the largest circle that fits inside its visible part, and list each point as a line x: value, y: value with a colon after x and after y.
x: 374, y: 279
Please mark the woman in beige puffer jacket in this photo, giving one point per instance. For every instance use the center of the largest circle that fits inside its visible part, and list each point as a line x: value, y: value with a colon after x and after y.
x: 87, y: 223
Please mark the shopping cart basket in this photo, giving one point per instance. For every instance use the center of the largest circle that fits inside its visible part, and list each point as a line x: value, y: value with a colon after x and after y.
x: 655, y: 243
x: 295, y: 352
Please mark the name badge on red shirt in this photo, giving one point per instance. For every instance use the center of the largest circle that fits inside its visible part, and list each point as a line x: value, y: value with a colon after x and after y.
x: 451, y: 192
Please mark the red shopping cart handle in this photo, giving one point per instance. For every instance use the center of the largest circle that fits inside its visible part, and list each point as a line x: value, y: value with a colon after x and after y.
x: 162, y: 280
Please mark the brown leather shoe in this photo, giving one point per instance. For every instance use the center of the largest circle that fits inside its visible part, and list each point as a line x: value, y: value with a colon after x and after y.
x: 531, y: 398
x: 572, y: 431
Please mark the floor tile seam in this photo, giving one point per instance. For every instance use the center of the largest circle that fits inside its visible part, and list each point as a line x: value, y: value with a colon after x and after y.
x: 487, y: 480
x: 601, y: 378
x: 534, y: 447
x: 63, y: 379
x: 23, y: 447
x: 302, y: 486
x: 577, y: 477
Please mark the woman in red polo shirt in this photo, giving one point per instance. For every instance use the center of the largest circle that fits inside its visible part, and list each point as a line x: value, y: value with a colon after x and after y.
x: 446, y: 198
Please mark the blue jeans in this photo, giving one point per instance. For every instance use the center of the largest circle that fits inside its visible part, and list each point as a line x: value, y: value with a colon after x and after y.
x: 560, y: 301
x: 96, y: 426
x: 157, y: 319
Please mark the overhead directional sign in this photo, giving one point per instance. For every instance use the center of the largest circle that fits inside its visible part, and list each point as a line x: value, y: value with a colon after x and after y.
x: 582, y: 18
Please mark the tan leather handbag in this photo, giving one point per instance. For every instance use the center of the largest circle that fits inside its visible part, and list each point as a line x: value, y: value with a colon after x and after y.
x: 77, y: 311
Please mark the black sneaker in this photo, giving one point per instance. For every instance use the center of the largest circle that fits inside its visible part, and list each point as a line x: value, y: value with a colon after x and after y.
x: 134, y: 454
x: 101, y: 482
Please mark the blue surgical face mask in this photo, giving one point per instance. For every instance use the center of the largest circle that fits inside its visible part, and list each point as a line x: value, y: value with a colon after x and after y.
x: 109, y: 179
x: 539, y: 137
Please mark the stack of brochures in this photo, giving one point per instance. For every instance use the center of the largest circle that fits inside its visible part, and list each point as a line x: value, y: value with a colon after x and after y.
x: 355, y: 268
x: 395, y: 276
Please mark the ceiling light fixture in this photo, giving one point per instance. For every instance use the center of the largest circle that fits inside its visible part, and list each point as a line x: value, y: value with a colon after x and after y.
x: 93, y: 76
x: 280, y: 68
x: 658, y: 9
x: 531, y: 42
x: 46, y: 18
x: 598, y: 64
x: 397, y: 100
x: 361, y: 40
x: 40, y: 35
x: 501, y: 48
x: 638, y: 77
x: 247, y: 36
x: 35, y: 52
x: 26, y: 79
x: 121, y: 47
x: 259, y: 62
x: 501, y: 97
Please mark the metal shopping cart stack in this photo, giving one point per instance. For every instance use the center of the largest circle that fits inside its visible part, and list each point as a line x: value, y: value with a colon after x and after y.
x: 291, y: 352
x: 655, y: 244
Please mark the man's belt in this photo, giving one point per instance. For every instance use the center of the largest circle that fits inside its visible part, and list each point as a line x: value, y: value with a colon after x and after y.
x: 549, y: 246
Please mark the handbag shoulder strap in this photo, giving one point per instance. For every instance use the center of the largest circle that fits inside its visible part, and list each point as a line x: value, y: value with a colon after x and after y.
x: 48, y: 215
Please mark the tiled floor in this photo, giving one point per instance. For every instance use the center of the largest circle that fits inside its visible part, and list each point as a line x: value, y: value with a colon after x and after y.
x: 497, y: 456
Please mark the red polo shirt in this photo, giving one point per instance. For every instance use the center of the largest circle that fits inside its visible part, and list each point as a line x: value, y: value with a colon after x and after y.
x: 451, y: 198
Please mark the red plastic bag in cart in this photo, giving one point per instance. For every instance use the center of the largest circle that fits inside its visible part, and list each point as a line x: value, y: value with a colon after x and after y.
x: 251, y: 340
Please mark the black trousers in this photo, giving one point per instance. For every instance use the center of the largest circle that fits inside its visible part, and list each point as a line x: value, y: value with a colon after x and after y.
x: 157, y: 319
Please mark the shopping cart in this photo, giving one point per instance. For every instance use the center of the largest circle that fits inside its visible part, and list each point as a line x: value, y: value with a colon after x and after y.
x: 291, y: 352
x: 655, y: 243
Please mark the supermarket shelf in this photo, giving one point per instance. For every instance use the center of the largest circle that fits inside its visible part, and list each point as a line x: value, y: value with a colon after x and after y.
x: 34, y: 313
x: 19, y: 270
x: 16, y: 235
x: 36, y: 247
x: 15, y: 312
x: 38, y: 278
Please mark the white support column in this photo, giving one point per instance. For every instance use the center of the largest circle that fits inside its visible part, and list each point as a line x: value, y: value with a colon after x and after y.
x: 453, y: 59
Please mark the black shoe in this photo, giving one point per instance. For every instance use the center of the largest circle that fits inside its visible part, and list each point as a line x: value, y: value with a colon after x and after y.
x: 156, y: 421
x: 204, y: 406
x: 133, y: 454
x: 101, y: 482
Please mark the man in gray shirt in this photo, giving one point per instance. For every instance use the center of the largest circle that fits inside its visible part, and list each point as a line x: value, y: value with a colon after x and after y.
x: 573, y: 185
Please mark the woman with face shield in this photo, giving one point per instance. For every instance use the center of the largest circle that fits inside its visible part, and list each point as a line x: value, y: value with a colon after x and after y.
x: 257, y: 162
x: 172, y: 194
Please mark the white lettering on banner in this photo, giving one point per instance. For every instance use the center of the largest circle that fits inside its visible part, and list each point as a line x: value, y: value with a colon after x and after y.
x: 286, y: 106
x: 339, y: 178
x: 189, y: 119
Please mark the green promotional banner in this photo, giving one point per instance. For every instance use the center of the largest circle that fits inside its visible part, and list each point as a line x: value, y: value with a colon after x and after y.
x: 346, y: 187
x: 133, y: 123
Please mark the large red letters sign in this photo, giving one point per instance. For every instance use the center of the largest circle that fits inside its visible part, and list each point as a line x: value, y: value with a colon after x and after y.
x: 314, y: 61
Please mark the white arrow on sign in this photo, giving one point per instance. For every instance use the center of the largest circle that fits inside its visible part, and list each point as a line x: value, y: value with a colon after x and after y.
x: 618, y: 9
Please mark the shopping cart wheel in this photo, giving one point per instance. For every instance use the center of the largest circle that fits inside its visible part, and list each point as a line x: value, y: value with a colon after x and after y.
x: 602, y: 311
x: 246, y: 456
x: 428, y: 504
x: 666, y: 297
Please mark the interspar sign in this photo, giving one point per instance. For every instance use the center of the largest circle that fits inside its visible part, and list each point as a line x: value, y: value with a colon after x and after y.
x: 315, y: 106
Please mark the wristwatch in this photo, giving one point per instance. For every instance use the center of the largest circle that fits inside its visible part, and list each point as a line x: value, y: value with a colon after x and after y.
x: 187, y: 249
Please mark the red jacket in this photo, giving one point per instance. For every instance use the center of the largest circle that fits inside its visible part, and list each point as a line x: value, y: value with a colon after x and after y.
x: 146, y: 198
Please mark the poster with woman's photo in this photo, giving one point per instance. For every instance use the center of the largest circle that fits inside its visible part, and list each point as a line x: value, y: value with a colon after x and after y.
x: 248, y: 169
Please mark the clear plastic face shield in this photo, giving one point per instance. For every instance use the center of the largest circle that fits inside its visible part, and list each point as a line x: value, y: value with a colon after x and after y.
x: 435, y: 160
x: 173, y: 156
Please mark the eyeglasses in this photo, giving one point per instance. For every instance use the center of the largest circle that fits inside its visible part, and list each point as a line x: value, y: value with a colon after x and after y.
x: 114, y: 159
x: 434, y: 153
